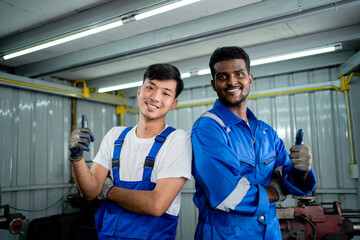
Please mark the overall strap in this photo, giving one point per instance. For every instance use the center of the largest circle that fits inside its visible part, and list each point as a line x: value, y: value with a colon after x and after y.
x: 116, y: 155
x: 150, y: 159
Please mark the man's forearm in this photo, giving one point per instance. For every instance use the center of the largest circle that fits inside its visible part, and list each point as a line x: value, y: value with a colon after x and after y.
x: 155, y: 202
x: 300, y: 179
x: 137, y: 201
x: 85, y: 180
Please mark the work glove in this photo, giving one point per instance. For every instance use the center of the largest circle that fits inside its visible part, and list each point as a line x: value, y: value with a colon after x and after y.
x: 275, y: 183
x: 79, y: 141
x: 108, y: 184
x: 300, y: 156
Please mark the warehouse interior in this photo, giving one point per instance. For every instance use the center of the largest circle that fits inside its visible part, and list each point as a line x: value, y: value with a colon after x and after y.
x: 44, y: 93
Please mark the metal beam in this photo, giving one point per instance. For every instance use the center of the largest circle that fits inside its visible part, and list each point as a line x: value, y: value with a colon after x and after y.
x: 253, y: 16
x: 89, y: 17
x: 348, y: 66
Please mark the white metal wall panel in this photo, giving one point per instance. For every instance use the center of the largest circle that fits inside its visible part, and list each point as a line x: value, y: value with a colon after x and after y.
x: 35, y: 130
x: 34, y: 168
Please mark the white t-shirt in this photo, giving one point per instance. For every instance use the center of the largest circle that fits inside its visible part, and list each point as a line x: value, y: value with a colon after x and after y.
x: 172, y: 161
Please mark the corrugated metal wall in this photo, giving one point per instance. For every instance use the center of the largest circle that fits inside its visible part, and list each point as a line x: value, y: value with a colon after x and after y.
x: 34, y: 135
x: 35, y: 129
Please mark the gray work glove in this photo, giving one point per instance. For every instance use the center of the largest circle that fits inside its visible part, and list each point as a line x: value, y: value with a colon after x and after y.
x: 300, y: 156
x: 79, y: 141
x: 275, y: 183
x: 108, y: 184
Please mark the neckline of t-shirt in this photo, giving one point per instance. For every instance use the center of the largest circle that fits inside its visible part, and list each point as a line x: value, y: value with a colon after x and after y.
x: 143, y: 139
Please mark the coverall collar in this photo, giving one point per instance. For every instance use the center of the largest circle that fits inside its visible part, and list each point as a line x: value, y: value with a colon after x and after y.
x: 228, y: 117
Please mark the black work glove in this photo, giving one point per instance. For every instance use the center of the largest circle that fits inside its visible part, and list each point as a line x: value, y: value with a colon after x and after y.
x: 79, y: 141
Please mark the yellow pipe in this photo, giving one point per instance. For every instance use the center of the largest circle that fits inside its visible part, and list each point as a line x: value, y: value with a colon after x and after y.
x: 295, y: 91
x: 120, y: 95
x: 345, y: 86
x: 132, y: 111
x: 39, y: 86
x: 195, y: 104
x: 65, y: 91
x: 86, y: 93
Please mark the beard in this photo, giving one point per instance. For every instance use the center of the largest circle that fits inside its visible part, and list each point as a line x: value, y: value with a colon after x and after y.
x: 231, y: 101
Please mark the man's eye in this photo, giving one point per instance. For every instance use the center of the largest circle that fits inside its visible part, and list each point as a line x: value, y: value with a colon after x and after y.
x: 240, y: 75
x: 221, y: 77
x: 149, y: 87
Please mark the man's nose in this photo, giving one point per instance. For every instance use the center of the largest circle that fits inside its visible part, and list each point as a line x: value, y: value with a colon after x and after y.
x: 155, y: 95
x: 232, y: 80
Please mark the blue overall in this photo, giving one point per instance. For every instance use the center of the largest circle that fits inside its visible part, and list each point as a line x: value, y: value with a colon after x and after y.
x: 114, y: 222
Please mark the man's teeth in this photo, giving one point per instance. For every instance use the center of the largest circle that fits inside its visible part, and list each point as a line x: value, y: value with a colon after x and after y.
x: 152, y: 106
x: 233, y: 90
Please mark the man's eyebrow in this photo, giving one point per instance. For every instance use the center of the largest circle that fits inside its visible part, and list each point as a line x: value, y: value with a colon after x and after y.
x: 225, y: 73
x: 167, y: 89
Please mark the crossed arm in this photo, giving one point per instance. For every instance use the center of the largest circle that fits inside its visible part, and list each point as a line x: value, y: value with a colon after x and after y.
x: 155, y: 202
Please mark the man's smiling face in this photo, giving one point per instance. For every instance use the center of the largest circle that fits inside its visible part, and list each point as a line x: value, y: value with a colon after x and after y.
x: 156, y: 98
x: 232, y: 82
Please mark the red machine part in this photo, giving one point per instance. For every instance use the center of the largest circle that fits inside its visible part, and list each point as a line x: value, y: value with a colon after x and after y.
x: 311, y: 222
x: 14, y: 222
x: 16, y: 226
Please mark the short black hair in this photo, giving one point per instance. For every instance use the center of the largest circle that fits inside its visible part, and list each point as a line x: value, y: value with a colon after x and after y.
x: 227, y: 53
x: 165, y: 71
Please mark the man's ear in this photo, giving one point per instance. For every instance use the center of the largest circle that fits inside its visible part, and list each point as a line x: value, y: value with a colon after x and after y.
x: 213, y: 84
x: 173, y: 105
x: 138, y: 91
x: 251, y: 77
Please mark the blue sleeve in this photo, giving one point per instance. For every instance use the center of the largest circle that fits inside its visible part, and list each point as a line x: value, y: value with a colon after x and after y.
x: 216, y: 170
x: 288, y: 170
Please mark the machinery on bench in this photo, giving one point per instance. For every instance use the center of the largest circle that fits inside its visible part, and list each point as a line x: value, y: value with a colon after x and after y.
x: 311, y: 221
x: 14, y: 222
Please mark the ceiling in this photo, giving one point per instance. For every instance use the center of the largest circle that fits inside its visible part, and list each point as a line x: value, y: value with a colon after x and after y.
x: 184, y: 37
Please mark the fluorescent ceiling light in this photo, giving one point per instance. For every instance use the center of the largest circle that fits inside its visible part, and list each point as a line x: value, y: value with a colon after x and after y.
x: 297, y: 54
x: 164, y: 9
x: 98, y: 29
x: 186, y: 75
x: 121, y: 86
x: 204, y: 72
x: 278, y: 58
x: 64, y: 39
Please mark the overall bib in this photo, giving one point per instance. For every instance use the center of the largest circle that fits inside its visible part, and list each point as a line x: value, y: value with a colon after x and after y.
x: 114, y: 222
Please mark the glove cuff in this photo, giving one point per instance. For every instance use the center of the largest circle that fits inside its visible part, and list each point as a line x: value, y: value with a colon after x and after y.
x: 75, y: 157
x: 279, y: 190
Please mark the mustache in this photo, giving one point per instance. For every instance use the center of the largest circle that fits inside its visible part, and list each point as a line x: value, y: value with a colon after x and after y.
x: 241, y: 87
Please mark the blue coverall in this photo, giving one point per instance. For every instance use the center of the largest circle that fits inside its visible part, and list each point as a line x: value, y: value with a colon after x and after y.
x: 115, y: 223
x: 231, y: 166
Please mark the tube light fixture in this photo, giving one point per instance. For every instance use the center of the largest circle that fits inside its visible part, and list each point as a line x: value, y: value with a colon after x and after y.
x: 99, y: 29
x: 163, y: 9
x: 63, y: 40
x: 119, y: 87
x: 186, y: 75
x: 297, y: 54
x: 283, y: 57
